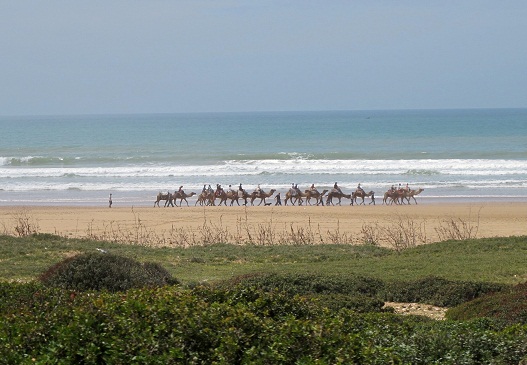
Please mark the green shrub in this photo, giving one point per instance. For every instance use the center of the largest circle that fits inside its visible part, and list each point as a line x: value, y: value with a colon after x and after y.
x: 98, y: 271
x: 16, y: 295
x: 438, y: 291
x: 356, y: 302
x: 310, y: 284
x: 170, y: 325
x: 364, y: 294
x: 508, y: 306
x: 357, y: 293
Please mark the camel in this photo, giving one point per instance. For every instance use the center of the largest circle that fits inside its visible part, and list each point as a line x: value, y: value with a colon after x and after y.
x: 232, y: 195
x: 411, y: 194
x: 166, y: 197
x: 316, y: 195
x: 262, y: 195
x: 339, y: 196
x: 205, y: 198
x: 362, y: 194
x: 222, y: 195
x: 394, y: 195
x: 240, y: 194
x: 298, y: 197
x: 182, y: 196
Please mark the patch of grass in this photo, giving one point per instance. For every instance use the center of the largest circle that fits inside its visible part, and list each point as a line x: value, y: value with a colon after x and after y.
x: 493, y: 260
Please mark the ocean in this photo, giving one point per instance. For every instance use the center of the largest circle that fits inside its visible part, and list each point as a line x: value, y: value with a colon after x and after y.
x: 454, y: 155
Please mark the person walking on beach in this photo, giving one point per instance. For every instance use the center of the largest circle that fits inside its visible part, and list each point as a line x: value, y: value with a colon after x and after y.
x: 110, y: 201
x: 278, y: 200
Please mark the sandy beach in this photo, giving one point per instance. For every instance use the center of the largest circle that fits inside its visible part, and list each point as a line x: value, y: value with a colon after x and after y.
x: 269, y: 224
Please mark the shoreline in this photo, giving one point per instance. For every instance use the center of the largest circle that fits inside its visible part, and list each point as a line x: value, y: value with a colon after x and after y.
x: 125, y: 201
x: 268, y: 224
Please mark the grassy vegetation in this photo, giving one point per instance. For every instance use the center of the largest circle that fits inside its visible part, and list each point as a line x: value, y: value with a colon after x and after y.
x: 328, y: 309
x: 492, y: 260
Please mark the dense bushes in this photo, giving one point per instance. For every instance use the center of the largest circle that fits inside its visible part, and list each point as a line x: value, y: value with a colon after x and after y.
x: 366, y: 294
x: 100, y: 271
x: 509, y: 306
x: 257, y: 319
x: 354, y: 292
x: 438, y: 291
x: 170, y: 325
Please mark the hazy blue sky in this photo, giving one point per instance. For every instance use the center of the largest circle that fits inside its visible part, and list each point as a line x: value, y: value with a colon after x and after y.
x: 131, y: 56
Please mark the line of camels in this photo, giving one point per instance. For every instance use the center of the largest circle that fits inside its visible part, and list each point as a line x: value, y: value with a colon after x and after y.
x: 209, y: 197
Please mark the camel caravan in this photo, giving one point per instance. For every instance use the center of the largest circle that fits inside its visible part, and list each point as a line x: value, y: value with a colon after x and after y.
x: 294, y: 196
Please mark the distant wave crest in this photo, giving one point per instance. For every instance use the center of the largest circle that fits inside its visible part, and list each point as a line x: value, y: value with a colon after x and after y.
x: 424, y: 172
x: 422, y: 167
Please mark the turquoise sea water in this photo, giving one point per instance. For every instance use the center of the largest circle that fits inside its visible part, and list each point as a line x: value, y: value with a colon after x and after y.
x: 460, y: 155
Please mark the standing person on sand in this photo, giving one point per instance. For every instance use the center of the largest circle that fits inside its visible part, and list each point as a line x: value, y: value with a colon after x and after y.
x: 278, y: 200
x: 110, y: 201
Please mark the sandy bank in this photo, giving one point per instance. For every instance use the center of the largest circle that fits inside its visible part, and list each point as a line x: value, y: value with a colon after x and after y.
x: 269, y: 224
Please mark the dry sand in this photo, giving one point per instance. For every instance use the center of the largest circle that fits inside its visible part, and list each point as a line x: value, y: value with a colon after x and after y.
x: 190, y: 225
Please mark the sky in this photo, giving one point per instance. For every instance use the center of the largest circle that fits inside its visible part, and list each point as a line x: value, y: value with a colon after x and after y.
x: 172, y: 56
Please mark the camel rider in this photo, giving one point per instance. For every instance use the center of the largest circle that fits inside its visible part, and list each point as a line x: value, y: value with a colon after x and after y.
x: 204, y: 188
x: 297, y: 189
x: 313, y: 189
x: 360, y: 189
x: 258, y: 190
x: 180, y: 191
x: 293, y: 190
x: 231, y: 189
x: 219, y: 190
x: 336, y: 188
x: 210, y: 190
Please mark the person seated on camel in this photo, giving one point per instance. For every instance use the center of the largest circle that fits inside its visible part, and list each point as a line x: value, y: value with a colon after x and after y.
x: 180, y: 190
x: 360, y: 189
x: 219, y: 190
x: 231, y: 190
x: 313, y: 189
x: 258, y: 190
x: 293, y: 191
x: 336, y: 188
x: 204, y: 188
x: 297, y: 189
x: 210, y: 189
x: 241, y: 191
